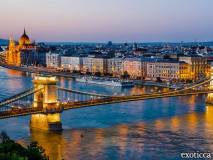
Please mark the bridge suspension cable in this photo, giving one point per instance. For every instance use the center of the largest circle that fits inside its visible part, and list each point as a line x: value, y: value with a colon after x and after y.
x: 195, y: 85
x: 85, y: 93
x: 18, y: 96
x: 179, y: 90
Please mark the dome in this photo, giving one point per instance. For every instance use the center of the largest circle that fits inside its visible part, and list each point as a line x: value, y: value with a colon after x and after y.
x: 24, y: 39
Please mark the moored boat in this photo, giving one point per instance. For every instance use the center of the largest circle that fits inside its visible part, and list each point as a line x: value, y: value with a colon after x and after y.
x: 106, y: 82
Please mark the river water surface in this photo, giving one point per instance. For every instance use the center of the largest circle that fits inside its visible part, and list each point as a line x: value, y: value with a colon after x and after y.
x: 150, y: 129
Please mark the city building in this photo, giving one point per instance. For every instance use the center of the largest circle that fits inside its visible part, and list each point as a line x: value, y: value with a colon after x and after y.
x: 41, y: 56
x: 53, y: 60
x: 168, y: 70
x: 184, y: 72
x: 27, y: 57
x: 199, y: 67
x: 94, y: 64
x: 115, y: 66
x: 87, y: 65
x: 72, y: 63
x: 132, y: 66
x: 144, y: 62
x: 99, y: 65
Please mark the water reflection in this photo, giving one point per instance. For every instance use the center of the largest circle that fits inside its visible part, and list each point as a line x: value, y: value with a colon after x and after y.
x: 54, y: 143
x: 166, y: 137
x: 12, y: 82
x: 175, y: 124
x: 159, y: 125
x: 208, y: 128
x: 13, y: 73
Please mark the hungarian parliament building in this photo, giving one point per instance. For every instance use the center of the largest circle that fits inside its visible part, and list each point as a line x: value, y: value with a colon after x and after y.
x: 24, y: 52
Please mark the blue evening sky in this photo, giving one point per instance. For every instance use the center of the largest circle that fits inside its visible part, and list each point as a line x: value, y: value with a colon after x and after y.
x: 103, y: 20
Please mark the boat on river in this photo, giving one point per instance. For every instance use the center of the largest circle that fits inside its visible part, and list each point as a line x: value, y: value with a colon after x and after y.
x: 106, y: 81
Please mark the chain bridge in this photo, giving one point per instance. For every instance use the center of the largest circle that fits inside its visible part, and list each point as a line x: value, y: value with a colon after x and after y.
x: 46, y: 101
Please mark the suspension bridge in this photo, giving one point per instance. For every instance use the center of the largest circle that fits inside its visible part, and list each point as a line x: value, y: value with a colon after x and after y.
x: 46, y: 101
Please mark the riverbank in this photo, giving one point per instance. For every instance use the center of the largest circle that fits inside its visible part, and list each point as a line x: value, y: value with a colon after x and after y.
x: 39, y: 70
x: 51, y: 72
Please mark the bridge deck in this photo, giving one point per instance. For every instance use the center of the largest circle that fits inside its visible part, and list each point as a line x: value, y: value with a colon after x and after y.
x: 20, y: 112
x: 74, y: 105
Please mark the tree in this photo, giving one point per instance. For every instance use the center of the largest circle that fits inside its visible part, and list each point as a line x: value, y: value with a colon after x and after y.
x: 36, y: 152
x: 4, y: 137
x: 10, y: 150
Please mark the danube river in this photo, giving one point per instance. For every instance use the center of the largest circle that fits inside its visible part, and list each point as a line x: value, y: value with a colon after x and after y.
x: 151, y: 129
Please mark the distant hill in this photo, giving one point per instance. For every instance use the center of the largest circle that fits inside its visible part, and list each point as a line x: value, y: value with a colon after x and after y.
x: 4, y: 42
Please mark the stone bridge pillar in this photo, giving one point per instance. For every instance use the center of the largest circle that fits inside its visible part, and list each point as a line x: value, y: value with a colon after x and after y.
x: 46, y: 98
x: 210, y: 95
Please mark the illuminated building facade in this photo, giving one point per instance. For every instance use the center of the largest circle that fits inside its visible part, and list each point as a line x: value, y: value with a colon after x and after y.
x: 19, y: 54
x: 71, y: 63
x: 99, y: 65
x: 94, y: 65
x: 87, y: 65
x: 115, y: 66
x: 168, y: 70
x: 133, y: 67
x: 198, y: 66
x: 53, y: 60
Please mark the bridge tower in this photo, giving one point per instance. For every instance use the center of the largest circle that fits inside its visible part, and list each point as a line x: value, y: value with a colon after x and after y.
x: 210, y: 95
x: 46, y: 98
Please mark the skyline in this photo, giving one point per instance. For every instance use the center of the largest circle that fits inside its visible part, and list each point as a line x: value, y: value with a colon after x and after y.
x: 120, y: 21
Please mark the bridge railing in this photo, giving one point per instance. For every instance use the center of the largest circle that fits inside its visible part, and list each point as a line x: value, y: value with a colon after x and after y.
x: 18, y: 112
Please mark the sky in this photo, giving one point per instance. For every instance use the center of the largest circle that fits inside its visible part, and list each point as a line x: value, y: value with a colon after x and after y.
x: 104, y: 20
